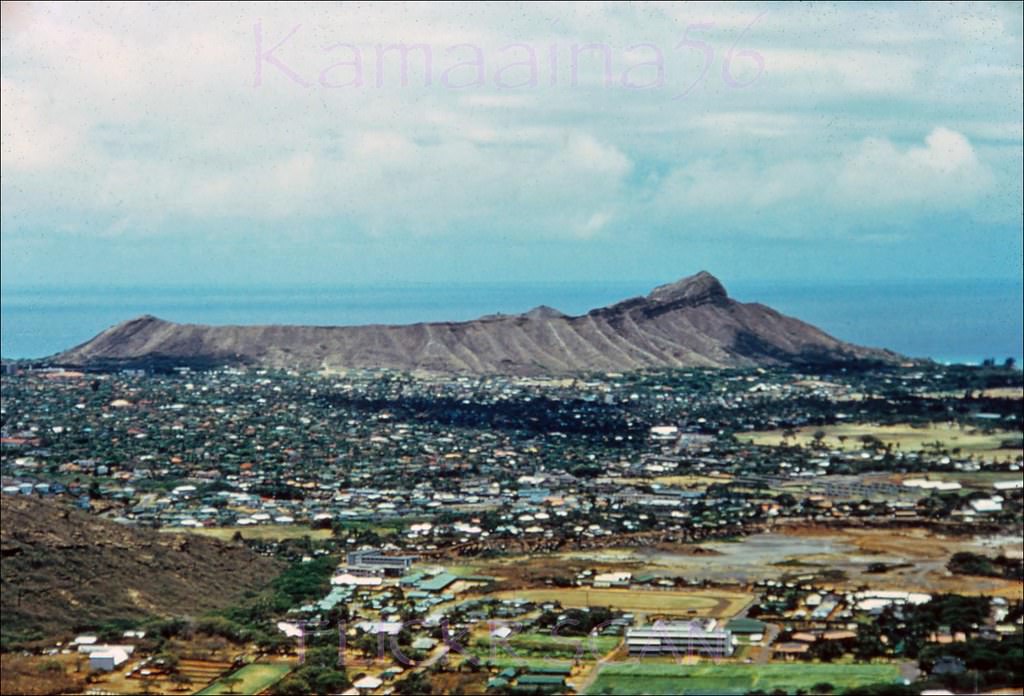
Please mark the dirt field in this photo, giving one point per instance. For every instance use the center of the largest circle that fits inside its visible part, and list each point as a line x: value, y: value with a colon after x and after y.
x: 797, y: 549
x: 928, y: 554
x: 31, y: 674
x: 697, y: 603
x: 907, y: 439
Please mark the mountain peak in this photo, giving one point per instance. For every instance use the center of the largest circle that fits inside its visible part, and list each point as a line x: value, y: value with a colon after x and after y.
x: 144, y: 319
x: 544, y: 312
x: 699, y: 288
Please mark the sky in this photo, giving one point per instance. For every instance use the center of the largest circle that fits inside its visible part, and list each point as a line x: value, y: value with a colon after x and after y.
x: 283, y: 144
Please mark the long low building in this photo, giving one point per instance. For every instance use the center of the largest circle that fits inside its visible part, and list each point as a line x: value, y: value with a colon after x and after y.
x: 679, y: 638
x: 374, y: 560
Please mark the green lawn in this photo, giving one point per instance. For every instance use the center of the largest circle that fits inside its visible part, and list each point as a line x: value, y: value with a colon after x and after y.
x: 254, y: 679
x: 653, y: 678
x: 970, y: 440
x: 545, y: 644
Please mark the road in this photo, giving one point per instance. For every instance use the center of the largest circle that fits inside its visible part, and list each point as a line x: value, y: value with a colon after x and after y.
x: 764, y: 653
x: 581, y: 687
x: 435, y: 656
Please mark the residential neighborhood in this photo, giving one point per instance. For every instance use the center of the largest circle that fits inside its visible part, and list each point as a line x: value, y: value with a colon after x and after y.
x: 507, y: 534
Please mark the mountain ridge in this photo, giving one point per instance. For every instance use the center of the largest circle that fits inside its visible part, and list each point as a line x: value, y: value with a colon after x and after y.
x: 65, y: 569
x: 691, y: 322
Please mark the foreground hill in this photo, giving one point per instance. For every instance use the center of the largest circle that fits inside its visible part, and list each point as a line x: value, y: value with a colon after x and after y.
x: 63, y: 569
x: 690, y: 323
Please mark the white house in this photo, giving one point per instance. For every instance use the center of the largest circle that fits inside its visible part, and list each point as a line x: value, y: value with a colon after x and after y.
x: 368, y: 683
x: 388, y: 628
x: 107, y: 660
x: 985, y: 505
x: 607, y: 579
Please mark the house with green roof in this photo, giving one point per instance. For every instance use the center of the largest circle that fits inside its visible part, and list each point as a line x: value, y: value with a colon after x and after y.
x: 410, y: 580
x: 496, y: 683
x: 747, y: 629
x: 437, y: 583
x: 564, y: 671
x: 541, y: 680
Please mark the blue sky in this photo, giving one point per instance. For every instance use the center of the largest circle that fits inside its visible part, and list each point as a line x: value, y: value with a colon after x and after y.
x: 277, y: 144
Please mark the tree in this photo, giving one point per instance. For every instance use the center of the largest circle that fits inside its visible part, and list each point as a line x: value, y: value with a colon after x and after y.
x: 368, y: 644
x: 168, y: 661
x: 292, y: 685
x: 231, y: 682
x: 869, y: 641
x: 415, y: 683
x: 330, y: 681
x: 827, y: 650
x: 966, y: 563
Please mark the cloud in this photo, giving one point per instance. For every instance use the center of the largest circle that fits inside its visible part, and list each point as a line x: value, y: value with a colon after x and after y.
x: 945, y: 173
x: 126, y: 119
x: 381, y: 183
x: 30, y: 141
x: 826, y: 196
x: 828, y: 72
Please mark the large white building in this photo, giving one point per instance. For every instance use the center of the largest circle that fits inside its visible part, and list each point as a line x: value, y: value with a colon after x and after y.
x: 679, y: 638
x: 372, y: 559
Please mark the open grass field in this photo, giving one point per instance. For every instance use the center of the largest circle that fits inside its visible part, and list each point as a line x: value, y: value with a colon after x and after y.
x: 687, y: 481
x: 907, y: 439
x: 544, y: 644
x: 262, y: 532
x: 717, y: 603
x: 463, y: 570
x: 661, y: 678
x: 254, y: 679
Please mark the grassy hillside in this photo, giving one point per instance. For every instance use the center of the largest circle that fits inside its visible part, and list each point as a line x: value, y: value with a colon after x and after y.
x: 63, y: 570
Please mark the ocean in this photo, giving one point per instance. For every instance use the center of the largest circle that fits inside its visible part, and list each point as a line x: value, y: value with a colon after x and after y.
x: 948, y: 321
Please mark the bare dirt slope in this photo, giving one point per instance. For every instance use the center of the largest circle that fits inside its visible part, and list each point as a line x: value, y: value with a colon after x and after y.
x: 63, y: 569
x: 689, y: 323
